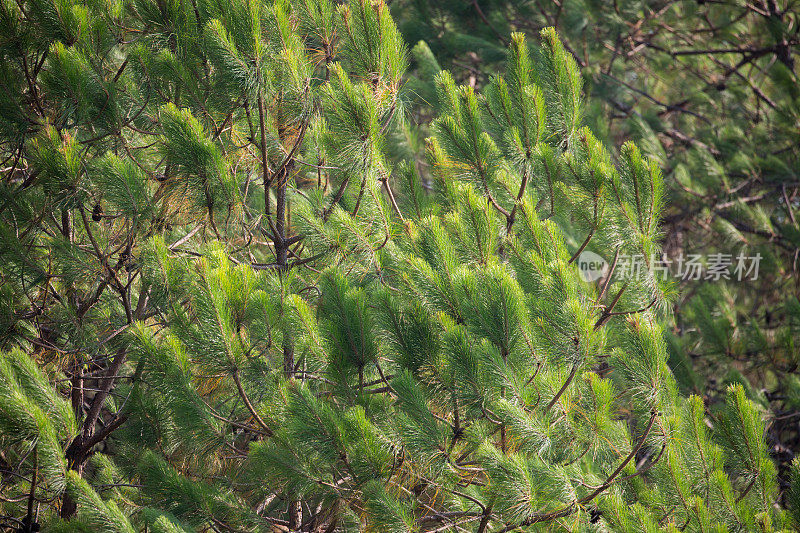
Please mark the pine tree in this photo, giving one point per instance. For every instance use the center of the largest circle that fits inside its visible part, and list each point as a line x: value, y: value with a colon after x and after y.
x: 709, y: 91
x: 132, y: 123
x: 269, y: 323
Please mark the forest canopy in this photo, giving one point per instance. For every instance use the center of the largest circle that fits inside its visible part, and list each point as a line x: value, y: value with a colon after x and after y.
x: 331, y: 266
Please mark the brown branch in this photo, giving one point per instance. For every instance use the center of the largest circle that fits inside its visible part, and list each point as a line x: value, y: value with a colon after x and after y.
x: 247, y: 403
x: 563, y: 388
x: 105, y: 389
x: 482, y: 16
x: 583, y: 246
x: 610, y: 479
x: 265, y: 170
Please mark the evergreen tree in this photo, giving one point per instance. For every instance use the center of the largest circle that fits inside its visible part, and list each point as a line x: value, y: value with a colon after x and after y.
x: 221, y: 317
x: 126, y: 123
x: 709, y: 90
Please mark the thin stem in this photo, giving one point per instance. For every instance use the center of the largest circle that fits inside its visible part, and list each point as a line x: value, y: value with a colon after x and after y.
x: 247, y: 403
x: 563, y: 388
x: 266, y: 176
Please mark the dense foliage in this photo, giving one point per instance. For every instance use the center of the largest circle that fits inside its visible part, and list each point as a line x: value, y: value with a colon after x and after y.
x: 709, y: 91
x: 241, y: 291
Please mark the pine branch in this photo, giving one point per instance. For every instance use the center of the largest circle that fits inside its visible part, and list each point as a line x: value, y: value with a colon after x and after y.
x: 246, y: 400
